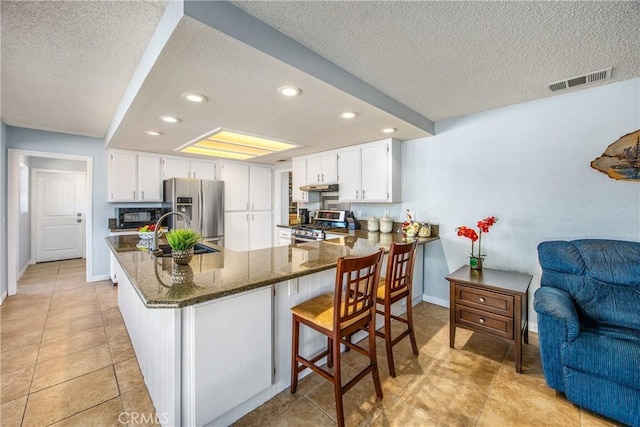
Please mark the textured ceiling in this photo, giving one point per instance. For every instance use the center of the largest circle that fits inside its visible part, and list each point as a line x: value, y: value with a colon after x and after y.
x: 66, y: 65
x: 446, y: 59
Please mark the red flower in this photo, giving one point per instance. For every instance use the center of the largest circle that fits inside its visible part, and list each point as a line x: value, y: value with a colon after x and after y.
x: 468, y: 232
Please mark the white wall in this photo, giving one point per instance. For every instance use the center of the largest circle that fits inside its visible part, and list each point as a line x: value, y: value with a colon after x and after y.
x: 51, y: 142
x: 528, y: 164
x: 57, y: 164
x: 3, y: 213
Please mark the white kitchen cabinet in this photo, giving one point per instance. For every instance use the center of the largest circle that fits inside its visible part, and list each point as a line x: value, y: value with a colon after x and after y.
x: 260, y: 187
x: 298, y: 179
x: 176, y: 167
x: 260, y: 235
x: 247, y: 187
x: 322, y: 168
x: 134, y: 177
x: 247, y: 230
x: 202, y: 169
x: 236, y: 186
x: 284, y: 236
x: 149, y: 180
x: 370, y: 173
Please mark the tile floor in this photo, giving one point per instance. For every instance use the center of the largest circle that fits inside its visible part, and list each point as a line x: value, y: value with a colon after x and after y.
x: 65, y: 355
x: 66, y: 360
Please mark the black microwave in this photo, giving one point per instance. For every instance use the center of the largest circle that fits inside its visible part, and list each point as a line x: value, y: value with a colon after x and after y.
x: 137, y: 217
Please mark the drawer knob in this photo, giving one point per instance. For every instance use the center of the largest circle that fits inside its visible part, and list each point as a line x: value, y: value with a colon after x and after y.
x: 481, y: 299
x: 481, y: 320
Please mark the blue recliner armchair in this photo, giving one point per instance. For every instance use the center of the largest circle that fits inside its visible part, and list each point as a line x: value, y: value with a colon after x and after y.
x: 588, y: 309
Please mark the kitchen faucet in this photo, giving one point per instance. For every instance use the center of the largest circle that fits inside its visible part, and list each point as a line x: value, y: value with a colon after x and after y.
x: 155, y: 232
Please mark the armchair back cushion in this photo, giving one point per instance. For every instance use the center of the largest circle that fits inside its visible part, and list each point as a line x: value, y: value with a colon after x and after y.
x: 601, y: 276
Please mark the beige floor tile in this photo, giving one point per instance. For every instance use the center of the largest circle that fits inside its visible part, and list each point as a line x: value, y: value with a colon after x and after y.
x: 112, y: 316
x: 445, y: 400
x: 69, y: 398
x: 138, y: 404
x: 590, y: 419
x: 128, y: 375
x: 107, y: 414
x: 361, y: 405
x: 303, y: 413
x: 108, y: 302
x: 269, y: 410
x: 116, y: 331
x: 72, y: 343
x: 54, y: 371
x: 75, y: 311
x: 19, y: 358
x: 523, y: 397
x: 400, y: 413
x: 64, y: 327
x: 11, y: 412
x: 20, y: 338
x: 121, y: 349
x: 15, y: 384
x: 64, y: 286
x: 31, y: 314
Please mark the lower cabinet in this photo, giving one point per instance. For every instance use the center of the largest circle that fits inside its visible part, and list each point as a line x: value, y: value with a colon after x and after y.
x: 244, y: 231
x: 228, y: 357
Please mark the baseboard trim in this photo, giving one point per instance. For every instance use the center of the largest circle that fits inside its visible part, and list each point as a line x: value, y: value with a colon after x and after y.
x: 24, y: 269
x: 99, y: 278
x: 3, y: 297
x: 436, y: 301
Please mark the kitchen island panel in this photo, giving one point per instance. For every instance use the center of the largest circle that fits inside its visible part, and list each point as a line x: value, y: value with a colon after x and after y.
x: 155, y: 338
x: 227, y: 354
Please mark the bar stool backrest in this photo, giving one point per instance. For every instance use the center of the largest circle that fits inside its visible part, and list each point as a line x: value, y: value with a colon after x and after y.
x: 400, y: 268
x: 356, y: 285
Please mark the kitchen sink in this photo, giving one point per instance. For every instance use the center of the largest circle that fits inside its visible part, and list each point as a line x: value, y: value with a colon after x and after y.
x: 197, y: 250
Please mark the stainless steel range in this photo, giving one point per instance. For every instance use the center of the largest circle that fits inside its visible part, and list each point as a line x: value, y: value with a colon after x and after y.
x: 323, y: 220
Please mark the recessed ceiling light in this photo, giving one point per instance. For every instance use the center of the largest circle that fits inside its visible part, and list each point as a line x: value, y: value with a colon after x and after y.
x: 194, y: 97
x: 170, y: 119
x: 289, y: 91
x: 348, y: 114
x: 388, y: 130
x: 153, y: 132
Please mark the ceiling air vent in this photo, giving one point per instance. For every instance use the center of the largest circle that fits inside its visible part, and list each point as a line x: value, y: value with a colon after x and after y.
x: 596, y: 76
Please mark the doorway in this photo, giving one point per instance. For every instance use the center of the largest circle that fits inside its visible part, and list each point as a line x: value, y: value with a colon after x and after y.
x: 84, y: 196
x: 57, y: 221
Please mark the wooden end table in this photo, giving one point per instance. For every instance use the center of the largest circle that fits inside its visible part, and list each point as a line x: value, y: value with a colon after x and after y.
x: 492, y: 302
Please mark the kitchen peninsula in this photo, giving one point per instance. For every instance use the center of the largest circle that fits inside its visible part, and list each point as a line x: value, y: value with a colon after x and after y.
x: 215, y: 347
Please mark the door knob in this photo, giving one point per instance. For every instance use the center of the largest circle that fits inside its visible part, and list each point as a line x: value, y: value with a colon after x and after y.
x: 78, y: 214
x: 78, y: 220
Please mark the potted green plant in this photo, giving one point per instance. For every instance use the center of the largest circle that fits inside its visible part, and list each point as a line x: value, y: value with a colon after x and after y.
x: 182, y: 242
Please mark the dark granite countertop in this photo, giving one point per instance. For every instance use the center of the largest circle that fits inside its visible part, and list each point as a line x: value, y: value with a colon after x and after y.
x: 228, y: 272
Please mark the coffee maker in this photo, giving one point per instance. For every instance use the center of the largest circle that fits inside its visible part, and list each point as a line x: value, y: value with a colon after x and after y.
x: 303, y: 216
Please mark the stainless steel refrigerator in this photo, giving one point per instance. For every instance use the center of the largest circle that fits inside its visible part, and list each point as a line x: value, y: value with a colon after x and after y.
x: 202, y: 201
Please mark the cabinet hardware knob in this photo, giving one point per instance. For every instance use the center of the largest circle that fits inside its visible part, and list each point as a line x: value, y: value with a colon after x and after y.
x: 318, y: 178
x: 481, y: 299
x: 143, y: 195
x: 362, y: 194
x: 322, y: 177
x: 357, y: 194
x: 481, y: 320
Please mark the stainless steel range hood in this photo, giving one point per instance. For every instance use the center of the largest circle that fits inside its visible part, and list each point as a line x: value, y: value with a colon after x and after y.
x: 320, y: 187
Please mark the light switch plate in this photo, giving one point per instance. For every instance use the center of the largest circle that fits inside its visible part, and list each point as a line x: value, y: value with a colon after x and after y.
x: 293, y: 287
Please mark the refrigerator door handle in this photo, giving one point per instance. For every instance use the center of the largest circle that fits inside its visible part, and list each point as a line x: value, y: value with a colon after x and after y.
x: 201, y: 213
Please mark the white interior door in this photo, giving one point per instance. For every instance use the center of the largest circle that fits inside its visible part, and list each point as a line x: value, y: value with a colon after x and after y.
x: 60, y: 215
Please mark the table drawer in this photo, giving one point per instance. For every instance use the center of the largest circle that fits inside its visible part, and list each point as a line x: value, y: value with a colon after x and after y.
x: 483, y: 321
x: 485, y: 300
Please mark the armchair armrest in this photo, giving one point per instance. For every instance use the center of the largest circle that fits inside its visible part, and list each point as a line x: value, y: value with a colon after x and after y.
x: 558, y: 304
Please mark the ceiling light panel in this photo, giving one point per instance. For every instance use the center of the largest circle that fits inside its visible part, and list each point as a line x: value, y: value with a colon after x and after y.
x: 289, y: 91
x: 233, y: 145
x: 194, y: 97
x: 170, y: 119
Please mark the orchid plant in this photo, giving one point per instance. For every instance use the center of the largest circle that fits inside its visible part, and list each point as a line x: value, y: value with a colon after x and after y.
x: 470, y: 233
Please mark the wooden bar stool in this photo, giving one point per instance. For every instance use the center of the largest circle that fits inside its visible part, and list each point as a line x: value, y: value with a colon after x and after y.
x: 395, y: 286
x: 350, y: 308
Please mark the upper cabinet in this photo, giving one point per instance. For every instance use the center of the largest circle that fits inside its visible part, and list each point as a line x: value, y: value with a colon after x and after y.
x: 370, y: 173
x: 322, y: 168
x: 246, y: 186
x: 298, y: 179
x: 176, y: 167
x: 134, y: 177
